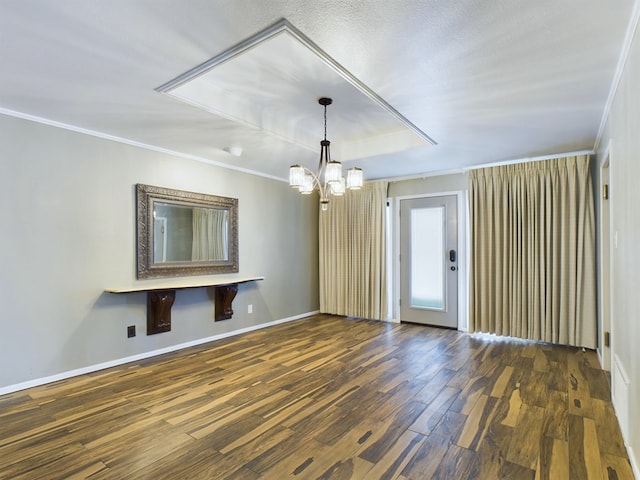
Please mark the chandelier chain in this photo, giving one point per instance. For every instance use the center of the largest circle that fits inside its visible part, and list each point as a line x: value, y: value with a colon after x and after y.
x: 325, y: 122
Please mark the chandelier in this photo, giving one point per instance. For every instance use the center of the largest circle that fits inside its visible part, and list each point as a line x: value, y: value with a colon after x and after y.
x: 334, y: 183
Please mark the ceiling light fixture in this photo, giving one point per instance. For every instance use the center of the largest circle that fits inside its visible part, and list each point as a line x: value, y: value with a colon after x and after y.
x: 334, y: 183
x: 234, y: 150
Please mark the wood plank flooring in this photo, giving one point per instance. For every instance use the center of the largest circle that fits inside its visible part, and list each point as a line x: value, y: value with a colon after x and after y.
x: 325, y: 398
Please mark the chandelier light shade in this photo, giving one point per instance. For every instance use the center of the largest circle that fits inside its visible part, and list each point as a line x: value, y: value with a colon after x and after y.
x: 307, y: 184
x: 296, y: 176
x: 354, y: 178
x: 333, y: 172
x: 338, y: 188
x: 334, y: 183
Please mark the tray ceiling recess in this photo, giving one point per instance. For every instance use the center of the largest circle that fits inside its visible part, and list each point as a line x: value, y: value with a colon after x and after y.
x: 271, y: 82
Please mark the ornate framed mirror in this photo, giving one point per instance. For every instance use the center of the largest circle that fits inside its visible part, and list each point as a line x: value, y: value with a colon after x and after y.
x: 185, y: 233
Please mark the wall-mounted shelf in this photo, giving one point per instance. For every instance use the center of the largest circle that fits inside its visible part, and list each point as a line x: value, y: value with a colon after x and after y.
x: 161, y: 295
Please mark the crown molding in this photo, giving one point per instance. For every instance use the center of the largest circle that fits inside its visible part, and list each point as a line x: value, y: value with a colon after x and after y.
x: 632, y: 29
x: 134, y: 143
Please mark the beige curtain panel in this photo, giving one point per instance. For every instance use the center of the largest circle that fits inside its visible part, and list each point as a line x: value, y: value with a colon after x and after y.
x: 353, y: 254
x: 532, y: 251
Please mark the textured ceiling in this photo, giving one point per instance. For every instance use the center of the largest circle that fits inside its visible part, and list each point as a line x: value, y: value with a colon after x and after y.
x: 487, y: 81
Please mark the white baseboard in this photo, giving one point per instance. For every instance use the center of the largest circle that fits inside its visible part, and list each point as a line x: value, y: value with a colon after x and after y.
x: 141, y: 356
x: 620, y: 392
x: 635, y: 464
x: 620, y: 396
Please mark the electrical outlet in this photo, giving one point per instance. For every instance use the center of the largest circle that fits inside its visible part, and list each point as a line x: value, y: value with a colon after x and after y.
x: 250, y: 308
x: 131, y: 331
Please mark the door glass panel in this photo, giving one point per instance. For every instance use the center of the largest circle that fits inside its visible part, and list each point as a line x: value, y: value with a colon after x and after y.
x: 427, y: 258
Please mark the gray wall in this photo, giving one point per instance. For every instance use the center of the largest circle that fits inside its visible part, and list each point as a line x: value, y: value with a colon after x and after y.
x: 428, y: 185
x: 622, y: 136
x: 68, y: 232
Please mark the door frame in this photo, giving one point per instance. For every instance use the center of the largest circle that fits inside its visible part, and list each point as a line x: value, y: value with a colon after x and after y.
x: 463, y: 254
x: 606, y: 246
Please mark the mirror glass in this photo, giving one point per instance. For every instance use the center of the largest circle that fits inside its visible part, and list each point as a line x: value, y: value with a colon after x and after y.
x: 185, y: 233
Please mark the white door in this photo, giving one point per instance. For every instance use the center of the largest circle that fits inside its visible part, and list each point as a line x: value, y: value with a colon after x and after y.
x: 429, y: 261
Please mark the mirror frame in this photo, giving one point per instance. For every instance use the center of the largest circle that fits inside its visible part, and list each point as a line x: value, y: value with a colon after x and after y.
x: 146, y: 196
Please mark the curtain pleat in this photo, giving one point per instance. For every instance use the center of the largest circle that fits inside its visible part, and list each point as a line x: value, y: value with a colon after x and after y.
x: 533, y: 251
x: 353, y: 254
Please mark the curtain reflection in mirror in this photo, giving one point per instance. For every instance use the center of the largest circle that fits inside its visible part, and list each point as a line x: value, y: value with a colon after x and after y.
x: 210, y: 234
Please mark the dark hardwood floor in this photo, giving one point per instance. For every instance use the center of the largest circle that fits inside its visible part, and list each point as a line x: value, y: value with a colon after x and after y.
x: 325, y: 398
